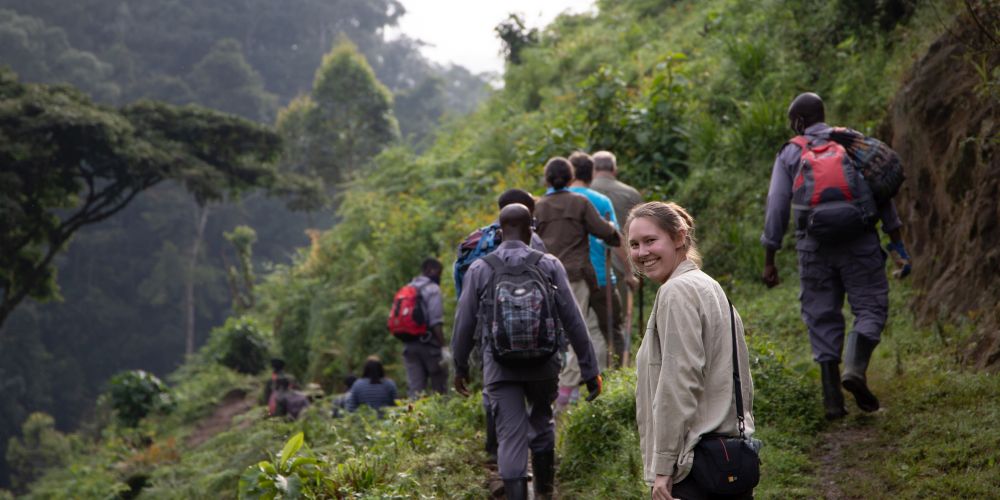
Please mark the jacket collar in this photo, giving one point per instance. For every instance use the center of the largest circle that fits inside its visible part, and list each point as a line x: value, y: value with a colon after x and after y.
x: 685, y: 266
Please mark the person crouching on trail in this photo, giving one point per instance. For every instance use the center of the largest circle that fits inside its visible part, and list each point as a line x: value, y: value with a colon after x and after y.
x: 519, y: 301
x: 838, y: 246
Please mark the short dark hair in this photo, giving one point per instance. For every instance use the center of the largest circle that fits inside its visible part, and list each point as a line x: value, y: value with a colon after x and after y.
x: 430, y: 264
x: 373, y: 370
x: 558, y: 172
x: 512, y: 196
x: 583, y: 166
x: 349, y: 380
x: 277, y: 364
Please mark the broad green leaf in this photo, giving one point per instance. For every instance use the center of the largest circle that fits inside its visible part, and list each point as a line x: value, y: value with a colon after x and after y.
x: 291, y: 448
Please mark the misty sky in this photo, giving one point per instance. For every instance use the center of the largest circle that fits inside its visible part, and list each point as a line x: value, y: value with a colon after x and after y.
x: 461, y: 31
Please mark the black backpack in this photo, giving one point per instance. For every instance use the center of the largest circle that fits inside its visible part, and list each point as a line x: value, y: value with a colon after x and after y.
x: 518, y: 315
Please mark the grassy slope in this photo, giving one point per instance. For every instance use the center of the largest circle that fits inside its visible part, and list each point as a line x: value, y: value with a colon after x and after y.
x: 742, y: 62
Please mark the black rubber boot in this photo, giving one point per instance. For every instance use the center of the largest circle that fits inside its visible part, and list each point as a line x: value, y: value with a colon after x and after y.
x: 833, y: 399
x: 543, y: 465
x: 516, y: 489
x: 856, y: 359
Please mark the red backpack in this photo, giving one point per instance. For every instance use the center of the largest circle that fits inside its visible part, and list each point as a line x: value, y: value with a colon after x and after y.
x: 833, y: 202
x: 407, y: 318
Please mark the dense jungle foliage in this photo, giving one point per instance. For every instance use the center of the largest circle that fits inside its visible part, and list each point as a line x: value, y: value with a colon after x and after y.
x: 691, y: 96
x: 145, y: 287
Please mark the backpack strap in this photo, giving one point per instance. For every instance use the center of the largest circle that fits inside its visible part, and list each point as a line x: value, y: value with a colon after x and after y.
x: 495, y: 262
x: 534, y: 258
x: 801, y: 141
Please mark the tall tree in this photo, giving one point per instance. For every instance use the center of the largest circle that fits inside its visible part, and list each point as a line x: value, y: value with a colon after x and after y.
x: 66, y: 163
x: 348, y: 118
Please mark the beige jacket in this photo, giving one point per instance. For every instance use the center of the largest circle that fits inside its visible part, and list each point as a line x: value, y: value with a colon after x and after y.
x: 685, y: 373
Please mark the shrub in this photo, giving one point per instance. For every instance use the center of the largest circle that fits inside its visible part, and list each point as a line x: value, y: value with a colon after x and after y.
x: 783, y: 398
x: 135, y: 394
x: 239, y: 345
x: 40, y: 447
x: 599, y: 444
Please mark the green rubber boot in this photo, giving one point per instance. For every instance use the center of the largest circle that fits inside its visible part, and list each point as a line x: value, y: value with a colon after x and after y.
x: 856, y: 359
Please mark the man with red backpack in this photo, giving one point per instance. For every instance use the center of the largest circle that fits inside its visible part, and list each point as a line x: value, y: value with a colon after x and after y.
x: 838, y: 188
x: 416, y: 318
x: 517, y: 302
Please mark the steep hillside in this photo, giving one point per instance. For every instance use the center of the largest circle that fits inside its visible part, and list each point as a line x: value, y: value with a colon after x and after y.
x: 945, y: 123
x: 691, y: 95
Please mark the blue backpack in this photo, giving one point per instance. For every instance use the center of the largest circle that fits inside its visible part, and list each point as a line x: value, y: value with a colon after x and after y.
x: 476, y: 246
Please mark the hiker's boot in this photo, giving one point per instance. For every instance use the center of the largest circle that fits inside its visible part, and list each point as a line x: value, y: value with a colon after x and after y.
x: 856, y: 359
x: 516, y: 489
x: 833, y: 399
x: 543, y: 465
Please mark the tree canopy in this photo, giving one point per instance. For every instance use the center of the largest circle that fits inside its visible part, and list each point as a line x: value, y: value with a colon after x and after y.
x: 66, y: 163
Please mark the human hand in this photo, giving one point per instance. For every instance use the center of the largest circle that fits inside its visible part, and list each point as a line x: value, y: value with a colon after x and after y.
x: 901, y: 258
x: 661, y: 487
x: 594, y: 385
x: 770, y: 275
x: 460, y: 382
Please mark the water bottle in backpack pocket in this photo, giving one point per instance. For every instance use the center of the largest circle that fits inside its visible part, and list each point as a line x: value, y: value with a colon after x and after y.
x: 518, y: 317
x: 832, y: 201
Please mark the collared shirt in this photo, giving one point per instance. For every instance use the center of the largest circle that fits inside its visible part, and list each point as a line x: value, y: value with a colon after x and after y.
x: 430, y: 298
x: 684, y: 387
x: 468, y: 330
x: 604, y: 207
x: 565, y: 219
x: 779, y: 200
x: 624, y: 198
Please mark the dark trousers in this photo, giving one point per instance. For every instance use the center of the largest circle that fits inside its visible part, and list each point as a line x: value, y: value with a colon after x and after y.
x: 599, y: 303
x: 688, y: 489
x: 423, y: 362
x: 827, y: 275
x: 523, y: 412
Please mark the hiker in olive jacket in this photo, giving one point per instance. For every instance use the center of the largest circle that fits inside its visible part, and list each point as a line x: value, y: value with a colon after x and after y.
x: 521, y: 397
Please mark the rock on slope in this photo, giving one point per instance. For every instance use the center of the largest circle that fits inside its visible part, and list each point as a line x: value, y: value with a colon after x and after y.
x: 946, y: 126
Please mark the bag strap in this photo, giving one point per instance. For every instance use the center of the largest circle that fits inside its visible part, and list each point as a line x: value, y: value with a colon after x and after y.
x: 737, y: 388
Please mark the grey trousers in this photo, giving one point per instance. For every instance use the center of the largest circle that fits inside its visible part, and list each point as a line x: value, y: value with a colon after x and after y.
x: 828, y: 274
x: 523, y: 413
x: 423, y: 361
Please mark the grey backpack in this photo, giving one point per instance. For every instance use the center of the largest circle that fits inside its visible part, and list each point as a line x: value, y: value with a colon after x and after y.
x: 518, y: 316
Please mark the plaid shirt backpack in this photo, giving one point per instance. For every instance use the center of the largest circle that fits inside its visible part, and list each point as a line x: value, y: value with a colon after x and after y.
x: 518, y: 316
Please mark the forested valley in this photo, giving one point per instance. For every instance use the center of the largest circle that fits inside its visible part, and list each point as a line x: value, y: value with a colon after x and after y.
x: 191, y: 188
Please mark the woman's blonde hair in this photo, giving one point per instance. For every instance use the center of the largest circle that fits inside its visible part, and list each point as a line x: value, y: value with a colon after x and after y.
x: 671, y: 218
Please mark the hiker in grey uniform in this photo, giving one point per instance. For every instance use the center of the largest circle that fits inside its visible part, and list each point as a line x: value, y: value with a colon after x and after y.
x: 521, y: 397
x: 828, y: 271
x: 422, y: 356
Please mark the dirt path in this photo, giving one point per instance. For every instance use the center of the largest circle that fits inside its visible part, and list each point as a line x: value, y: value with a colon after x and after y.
x: 843, y: 454
x: 234, y: 403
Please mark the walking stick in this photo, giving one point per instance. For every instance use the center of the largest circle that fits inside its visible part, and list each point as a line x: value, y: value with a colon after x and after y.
x: 609, y: 340
x: 628, y: 325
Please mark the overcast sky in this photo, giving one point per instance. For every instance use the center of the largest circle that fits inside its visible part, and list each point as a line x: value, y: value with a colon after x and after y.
x: 461, y: 31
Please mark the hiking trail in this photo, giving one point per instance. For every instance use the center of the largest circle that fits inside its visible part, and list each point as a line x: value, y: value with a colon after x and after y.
x: 234, y: 403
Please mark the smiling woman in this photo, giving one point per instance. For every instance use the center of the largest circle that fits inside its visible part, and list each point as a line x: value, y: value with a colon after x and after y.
x: 684, y: 387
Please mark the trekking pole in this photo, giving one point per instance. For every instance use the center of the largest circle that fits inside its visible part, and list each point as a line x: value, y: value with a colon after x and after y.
x: 628, y: 325
x: 608, y: 302
x: 642, y: 284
